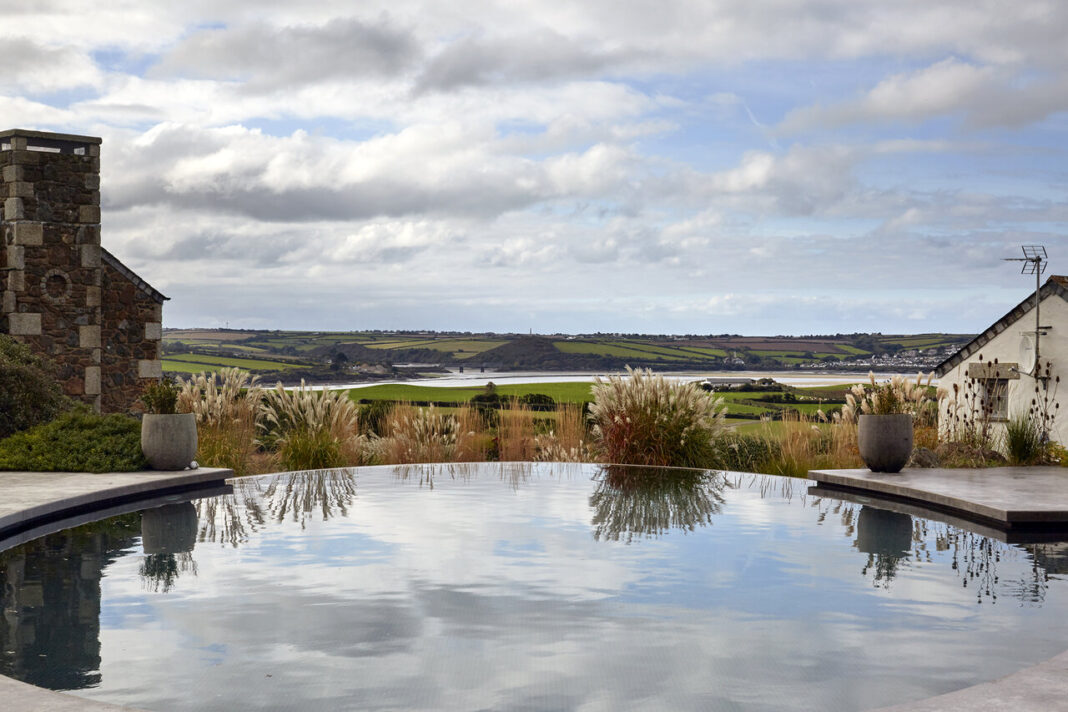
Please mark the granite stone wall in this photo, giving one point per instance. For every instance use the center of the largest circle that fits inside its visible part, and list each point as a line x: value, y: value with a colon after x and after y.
x: 130, y: 333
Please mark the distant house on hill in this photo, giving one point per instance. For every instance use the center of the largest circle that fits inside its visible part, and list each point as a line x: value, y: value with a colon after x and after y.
x: 61, y: 293
x: 1018, y: 376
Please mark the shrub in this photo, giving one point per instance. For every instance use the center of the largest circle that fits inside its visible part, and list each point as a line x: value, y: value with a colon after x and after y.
x: 160, y: 397
x: 647, y: 420
x: 305, y: 449
x: 746, y: 453
x: 538, y: 401
x: 78, y: 441
x: 372, y: 417
x: 29, y: 395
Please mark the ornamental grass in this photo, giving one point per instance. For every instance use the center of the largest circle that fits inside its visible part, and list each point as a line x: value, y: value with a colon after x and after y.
x: 310, y: 429
x: 227, y: 408
x: 645, y: 419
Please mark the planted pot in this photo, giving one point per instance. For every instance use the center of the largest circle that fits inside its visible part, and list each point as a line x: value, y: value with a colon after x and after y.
x: 169, y: 442
x: 885, y: 441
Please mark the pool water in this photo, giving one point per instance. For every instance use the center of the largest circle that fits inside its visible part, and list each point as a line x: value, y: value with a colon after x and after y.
x: 518, y: 586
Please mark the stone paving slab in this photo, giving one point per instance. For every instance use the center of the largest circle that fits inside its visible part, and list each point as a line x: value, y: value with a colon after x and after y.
x: 27, y: 498
x: 1012, y: 496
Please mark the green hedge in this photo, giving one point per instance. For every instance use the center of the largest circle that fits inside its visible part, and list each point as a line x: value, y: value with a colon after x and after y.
x: 76, y: 442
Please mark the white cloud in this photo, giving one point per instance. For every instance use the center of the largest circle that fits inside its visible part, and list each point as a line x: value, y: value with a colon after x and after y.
x: 384, y: 156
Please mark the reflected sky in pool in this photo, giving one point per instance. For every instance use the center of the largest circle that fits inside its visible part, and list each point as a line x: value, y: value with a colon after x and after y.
x: 535, y: 587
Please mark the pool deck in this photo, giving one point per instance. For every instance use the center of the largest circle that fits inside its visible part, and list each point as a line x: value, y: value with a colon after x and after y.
x: 34, y: 503
x: 1006, y: 497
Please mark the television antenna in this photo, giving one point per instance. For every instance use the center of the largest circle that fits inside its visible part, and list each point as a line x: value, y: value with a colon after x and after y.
x: 1034, y: 262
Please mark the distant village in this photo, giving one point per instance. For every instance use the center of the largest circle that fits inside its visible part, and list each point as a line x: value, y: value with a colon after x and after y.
x: 901, y: 361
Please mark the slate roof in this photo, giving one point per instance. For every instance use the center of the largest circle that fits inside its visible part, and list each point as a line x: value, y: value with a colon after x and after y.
x: 129, y: 274
x: 1056, y: 285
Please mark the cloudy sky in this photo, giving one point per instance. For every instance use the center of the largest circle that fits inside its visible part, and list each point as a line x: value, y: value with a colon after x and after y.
x: 667, y: 166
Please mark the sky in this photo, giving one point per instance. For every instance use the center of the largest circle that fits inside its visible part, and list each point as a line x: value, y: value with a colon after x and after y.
x: 655, y: 166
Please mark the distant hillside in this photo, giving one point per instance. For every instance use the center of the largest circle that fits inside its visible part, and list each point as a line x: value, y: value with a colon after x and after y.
x: 367, y: 352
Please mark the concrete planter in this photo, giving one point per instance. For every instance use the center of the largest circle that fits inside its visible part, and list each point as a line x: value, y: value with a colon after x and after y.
x: 169, y: 441
x: 885, y: 441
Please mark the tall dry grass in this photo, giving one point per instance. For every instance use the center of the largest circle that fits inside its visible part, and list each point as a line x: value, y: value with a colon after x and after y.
x: 805, y: 443
x: 227, y: 408
x: 418, y: 435
x: 569, y: 438
x: 515, y: 433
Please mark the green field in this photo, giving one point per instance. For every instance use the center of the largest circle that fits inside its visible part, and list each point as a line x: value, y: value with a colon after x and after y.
x: 187, y: 367
x: 661, y: 350
x: 599, y: 348
x: 226, y: 361
x: 741, y: 403
x: 561, y: 392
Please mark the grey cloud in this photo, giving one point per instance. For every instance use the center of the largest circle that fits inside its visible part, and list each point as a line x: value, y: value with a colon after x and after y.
x: 260, y: 250
x: 982, y: 96
x: 535, y: 57
x: 266, y: 57
x: 382, y: 197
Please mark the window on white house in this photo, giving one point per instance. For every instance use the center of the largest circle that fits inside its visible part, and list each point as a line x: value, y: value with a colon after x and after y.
x: 994, y: 393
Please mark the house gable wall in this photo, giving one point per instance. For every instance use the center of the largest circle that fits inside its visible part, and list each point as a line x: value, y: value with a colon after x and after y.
x: 1005, y: 348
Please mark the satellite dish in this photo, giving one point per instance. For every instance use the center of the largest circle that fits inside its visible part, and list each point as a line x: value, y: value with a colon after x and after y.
x: 1027, y: 353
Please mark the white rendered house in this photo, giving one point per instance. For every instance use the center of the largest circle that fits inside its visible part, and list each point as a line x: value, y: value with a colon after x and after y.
x: 1010, y: 367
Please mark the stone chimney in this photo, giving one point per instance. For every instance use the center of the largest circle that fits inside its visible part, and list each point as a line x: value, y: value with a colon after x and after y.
x: 50, y: 266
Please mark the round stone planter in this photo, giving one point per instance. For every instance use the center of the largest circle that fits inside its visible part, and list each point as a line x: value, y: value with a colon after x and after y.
x: 169, y: 441
x: 885, y: 441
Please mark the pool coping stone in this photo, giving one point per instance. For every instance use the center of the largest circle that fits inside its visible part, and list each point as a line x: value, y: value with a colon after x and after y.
x: 1007, y: 496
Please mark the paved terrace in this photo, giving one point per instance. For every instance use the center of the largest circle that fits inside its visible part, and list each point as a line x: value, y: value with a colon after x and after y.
x: 33, y: 504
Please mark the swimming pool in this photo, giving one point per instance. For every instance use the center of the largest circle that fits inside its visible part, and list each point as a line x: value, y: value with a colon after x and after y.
x: 524, y: 586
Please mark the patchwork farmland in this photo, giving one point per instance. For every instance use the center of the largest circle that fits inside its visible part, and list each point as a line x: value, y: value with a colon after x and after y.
x: 320, y: 355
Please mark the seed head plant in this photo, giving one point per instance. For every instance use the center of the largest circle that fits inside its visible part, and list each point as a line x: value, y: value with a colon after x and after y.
x: 644, y: 419
x: 419, y: 435
x: 309, y: 428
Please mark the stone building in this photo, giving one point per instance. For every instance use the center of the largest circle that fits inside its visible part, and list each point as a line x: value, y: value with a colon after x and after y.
x: 60, y: 291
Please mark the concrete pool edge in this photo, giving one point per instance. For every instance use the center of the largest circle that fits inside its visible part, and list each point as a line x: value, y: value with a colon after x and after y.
x: 1039, y: 687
